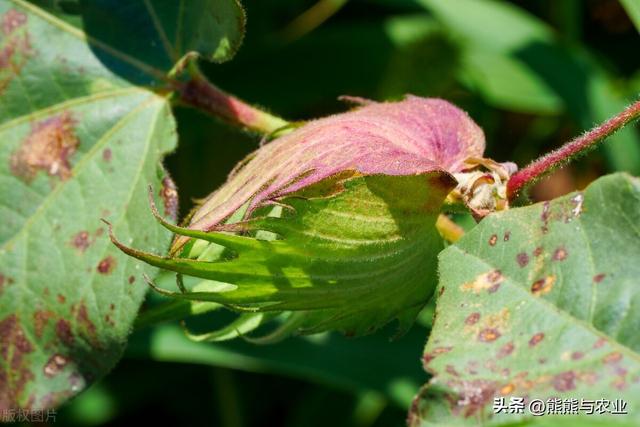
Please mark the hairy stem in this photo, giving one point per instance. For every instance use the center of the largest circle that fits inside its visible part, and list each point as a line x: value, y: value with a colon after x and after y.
x: 198, y: 92
x: 570, y: 150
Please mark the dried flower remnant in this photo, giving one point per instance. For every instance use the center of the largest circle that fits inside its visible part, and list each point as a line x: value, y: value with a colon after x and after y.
x: 482, y: 186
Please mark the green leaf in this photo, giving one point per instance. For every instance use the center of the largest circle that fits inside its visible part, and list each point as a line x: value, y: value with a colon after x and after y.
x: 506, y: 82
x: 545, y: 306
x: 633, y: 9
x: 78, y: 143
x: 159, y: 33
x: 353, y: 254
x: 489, y: 60
x: 515, y: 62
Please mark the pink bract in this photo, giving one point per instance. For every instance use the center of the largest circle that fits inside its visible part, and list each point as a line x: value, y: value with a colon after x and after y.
x: 408, y: 137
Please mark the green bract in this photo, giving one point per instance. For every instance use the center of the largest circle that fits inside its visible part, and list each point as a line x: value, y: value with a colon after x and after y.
x: 352, y: 253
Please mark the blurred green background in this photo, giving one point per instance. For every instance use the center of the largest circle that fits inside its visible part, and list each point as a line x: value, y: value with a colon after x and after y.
x: 533, y: 74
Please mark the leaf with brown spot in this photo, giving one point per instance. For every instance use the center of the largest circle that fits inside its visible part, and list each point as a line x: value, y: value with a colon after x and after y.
x: 566, y: 334
x: 49, y: 147
x: 69, y: 119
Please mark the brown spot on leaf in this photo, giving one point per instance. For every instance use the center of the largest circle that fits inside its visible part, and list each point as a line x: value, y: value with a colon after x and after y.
x: 560, y: 254
x: 536, y: 339
x: 473, y: 395
x: 12, y: 20
x: 54, y: 365
x: 14, y: 371
x: 488, y: 335
x: 564, y: 381
x: 81, y: 241
x: 600, y: 343
x: 494, y: 276
x: 546, y: 211
x: 13, y: 340
x: 599, y: 277
x: 85, y: 323
x: 577, y: 355
x: 493, y: 239
x: 169, y: 195
x: 61, y: 299
x: 16, y: 47
x: 441, y: 291
x: 107, y: 155
x: 40, y: 320
x: 494, y: 288
x: 537, y: 251
x: 451, y: 370
x: 48, y: 148
x: 428, y: 357
x: 472, y: 319
x: 619, y: 384
x: 507, y: 236
x: 64, y: 332
x: 619, y: 370
x: 498, y: 321
x: 523, y: 259
x: 506, y: 350
x: 543, y: 286
x: 612, y: 357
x: 106, y: 265
x: 131, y: 279
x: 488, y: 281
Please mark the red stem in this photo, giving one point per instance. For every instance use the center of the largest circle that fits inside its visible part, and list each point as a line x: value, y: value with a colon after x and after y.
x: 200, y: 93
x: 546, y: 164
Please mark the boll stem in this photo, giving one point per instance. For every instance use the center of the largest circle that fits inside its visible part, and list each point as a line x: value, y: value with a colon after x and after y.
x: 549, y: 162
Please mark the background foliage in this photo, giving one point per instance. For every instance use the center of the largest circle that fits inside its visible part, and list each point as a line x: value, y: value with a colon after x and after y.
x: 532, y: 74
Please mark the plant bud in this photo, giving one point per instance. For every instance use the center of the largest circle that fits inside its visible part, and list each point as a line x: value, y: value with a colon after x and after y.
x: 409, y: 137
x: 332, y: 226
